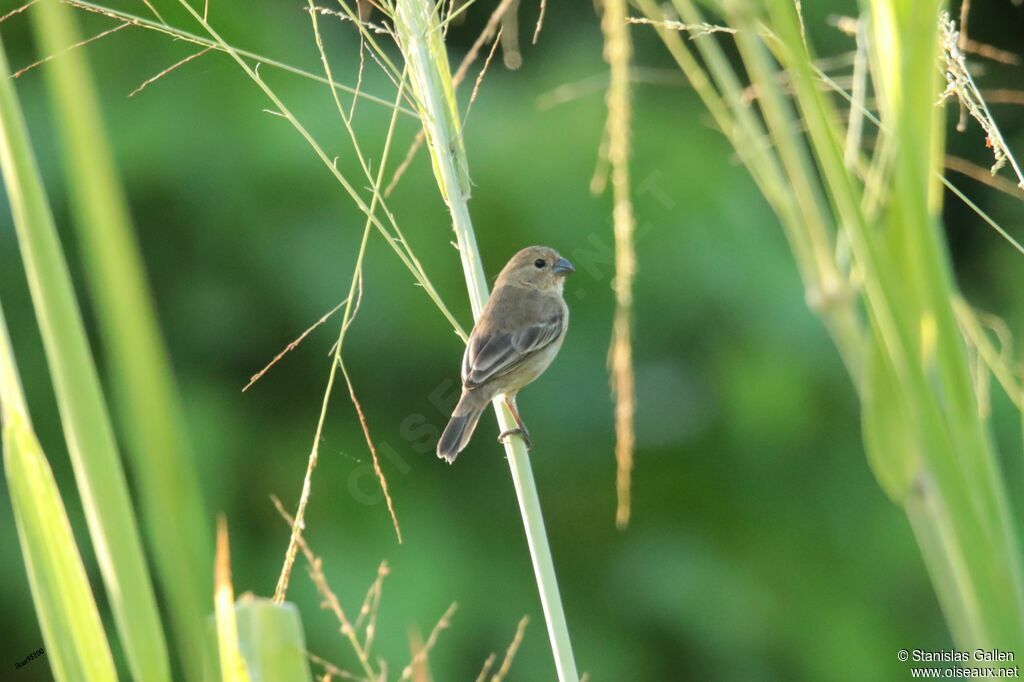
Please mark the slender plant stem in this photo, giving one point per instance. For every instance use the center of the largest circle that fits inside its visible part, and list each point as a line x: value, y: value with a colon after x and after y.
x: 806, y: 230
x: 397, y: 243
x: 336, y: 364
x: 425, y: 53
x: 186, y: 36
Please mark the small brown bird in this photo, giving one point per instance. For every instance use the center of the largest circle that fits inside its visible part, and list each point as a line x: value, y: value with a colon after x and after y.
x: 513, y: 342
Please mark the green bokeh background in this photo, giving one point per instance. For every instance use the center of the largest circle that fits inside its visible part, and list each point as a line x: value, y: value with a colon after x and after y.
x: 761, y: 548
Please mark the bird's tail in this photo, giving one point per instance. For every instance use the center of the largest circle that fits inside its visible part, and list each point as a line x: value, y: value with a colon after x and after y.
x: 461, y: 426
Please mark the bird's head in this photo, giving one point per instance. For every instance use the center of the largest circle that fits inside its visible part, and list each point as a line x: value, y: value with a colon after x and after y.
x: 539, y: 267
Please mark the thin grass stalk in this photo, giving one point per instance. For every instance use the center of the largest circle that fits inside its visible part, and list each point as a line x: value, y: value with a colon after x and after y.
x: 873, y: 174
x: 351, y: 306
x: 618, y: 51
x: 423, y: 46
x: 999, y: 360
x: 219, y: 46
x: 89, y: 435
x: 797, y: 192
x: 796, y: 163
x: 76, y: 644
x: 162, y: 461
x: 331, y: 602
x: 297, y: 523
x: 398, y: 244
x: 828, y: 291
x: 855, y: 124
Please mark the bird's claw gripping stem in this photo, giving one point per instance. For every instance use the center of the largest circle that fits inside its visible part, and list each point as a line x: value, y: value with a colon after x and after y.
x: 521, y: 431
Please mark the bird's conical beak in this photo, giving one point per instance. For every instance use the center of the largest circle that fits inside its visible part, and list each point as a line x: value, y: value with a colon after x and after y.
x: 563, y: 267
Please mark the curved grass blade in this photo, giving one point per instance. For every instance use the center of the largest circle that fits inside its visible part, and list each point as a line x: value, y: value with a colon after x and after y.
x: 76, y: 645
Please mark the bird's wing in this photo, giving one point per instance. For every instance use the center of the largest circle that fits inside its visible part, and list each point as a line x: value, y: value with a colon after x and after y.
x: 518, y: 323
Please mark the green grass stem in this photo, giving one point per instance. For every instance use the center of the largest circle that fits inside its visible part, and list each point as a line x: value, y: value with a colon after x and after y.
x: 423, y: 45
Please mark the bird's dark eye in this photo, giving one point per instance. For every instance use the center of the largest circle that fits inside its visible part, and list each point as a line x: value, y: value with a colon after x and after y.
x: 540, y: 263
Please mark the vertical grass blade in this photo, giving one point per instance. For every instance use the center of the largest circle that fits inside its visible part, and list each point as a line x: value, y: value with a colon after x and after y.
x: 422, y: 43
x: 87, y: 429
x: 76, y: 645
x: 172, y: 510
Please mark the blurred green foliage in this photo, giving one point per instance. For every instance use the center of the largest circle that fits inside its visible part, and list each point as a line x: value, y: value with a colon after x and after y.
x: 761, y: 546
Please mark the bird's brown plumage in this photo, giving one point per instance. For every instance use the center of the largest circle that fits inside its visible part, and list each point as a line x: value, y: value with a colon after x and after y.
x: 517, y: 336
